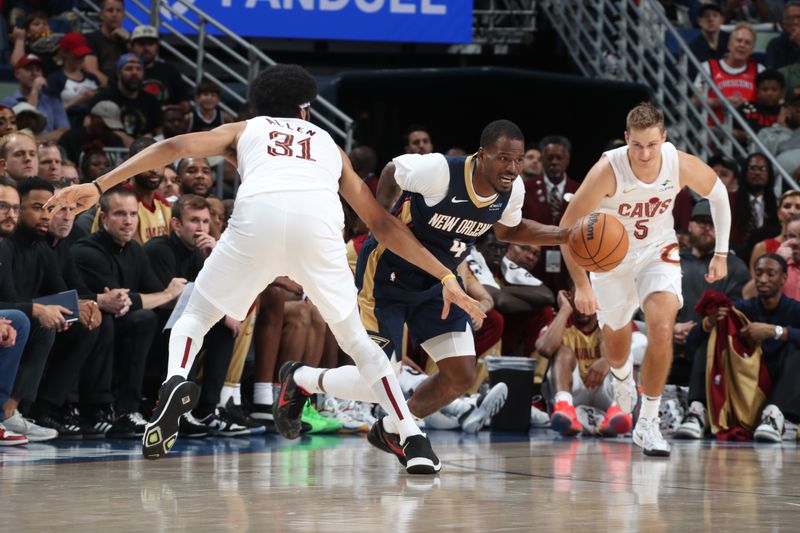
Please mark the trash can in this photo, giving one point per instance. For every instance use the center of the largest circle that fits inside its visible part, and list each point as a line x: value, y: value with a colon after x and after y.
x: 517, y: 373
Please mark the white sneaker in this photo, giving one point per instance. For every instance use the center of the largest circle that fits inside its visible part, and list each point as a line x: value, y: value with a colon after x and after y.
x: 338, y: 410
x: 23, y: 426
x: 494, y: 400
x: 771, y: 427
x: 693, y: 425
x: 671, y: 414
x: 539, y: 419
x: 647, y: 435
x: 625, y: 394
x: 440, y: 420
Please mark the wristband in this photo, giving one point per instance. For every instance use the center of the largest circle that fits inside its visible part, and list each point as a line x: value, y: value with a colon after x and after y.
x: 447, y: 276
x: 99, y: 189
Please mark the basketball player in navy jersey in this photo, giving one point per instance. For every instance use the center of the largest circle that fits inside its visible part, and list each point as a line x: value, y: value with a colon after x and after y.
x: 637, y: 183
x: 287, y: 220
x: 447, y: 202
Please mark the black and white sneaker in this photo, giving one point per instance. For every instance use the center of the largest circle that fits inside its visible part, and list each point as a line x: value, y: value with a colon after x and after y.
x: 385, y: 441
x: 175, y: 398
x: 419, y: 455
x: 238, y: 415
x: 772, y: 425
x: 100, y: 421
x: 287, y: 409
x: 488, y: 406
x: 222, y: 424
x: 693, y: 425
x: 127, y: 426
x: 192, y: 428
x: 68, y: 427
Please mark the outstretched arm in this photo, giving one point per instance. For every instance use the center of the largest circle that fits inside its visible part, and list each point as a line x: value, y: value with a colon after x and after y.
x: 219, y: 141
x: 531, y: 232
x: 393, y: 234
x: 599, y: 183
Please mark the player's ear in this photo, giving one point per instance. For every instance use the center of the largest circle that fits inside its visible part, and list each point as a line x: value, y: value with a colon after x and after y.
x: 664, y: 135
x: 626, y: 136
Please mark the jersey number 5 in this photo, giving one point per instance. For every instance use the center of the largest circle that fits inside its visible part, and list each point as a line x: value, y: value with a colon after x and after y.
x: 282, y: 144
x: 641, y: 229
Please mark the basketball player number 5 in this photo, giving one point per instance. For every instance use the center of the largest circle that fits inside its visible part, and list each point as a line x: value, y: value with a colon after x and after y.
x: 641, y: 229
x: 283, y: 145
x: 458, y: 248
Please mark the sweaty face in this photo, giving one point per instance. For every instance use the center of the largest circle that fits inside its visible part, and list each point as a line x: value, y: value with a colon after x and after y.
x: 9, y: 210
x: 32, y: 216
x: 22, y: 158
x: 502, y: 163
x: 419, y: 142
x: 644, y: 147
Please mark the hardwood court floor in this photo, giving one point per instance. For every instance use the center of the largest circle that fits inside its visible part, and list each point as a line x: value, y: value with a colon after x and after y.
x: 339, y: 483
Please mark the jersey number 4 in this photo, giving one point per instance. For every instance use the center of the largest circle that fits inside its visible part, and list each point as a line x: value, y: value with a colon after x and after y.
x: 283, y: 144
x: 458, y: 248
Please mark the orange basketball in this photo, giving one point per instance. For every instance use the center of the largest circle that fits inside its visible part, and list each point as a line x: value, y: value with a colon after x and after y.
x: 598, y: 243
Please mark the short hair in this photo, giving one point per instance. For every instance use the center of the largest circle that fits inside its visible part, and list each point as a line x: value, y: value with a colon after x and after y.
x: 771, y: 74
x: 500, y: 128
x: 533, y: 146
x: 189, y: 201
x: 87, y: 157
x: 119, y: 190
x: 281, y: 90
x: 104, y: 2
x: 207, y: 86
x: 411, y: 129
x: 777, y: 258
x: 5, y: 181
x: 555, y: 139
x: 68, y: 163
x: 9, y: 137
x: 644, y: 116
x: 747, y: 27
x: 177, y: 167
x: 140, y: 144
x: 34, y: 184
x: 33, y: 15
x: 725, y: 161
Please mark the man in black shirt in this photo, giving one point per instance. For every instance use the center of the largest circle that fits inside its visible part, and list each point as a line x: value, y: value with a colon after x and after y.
x: 35, y: 274
x: 181, y: 254
x: 141, y: 112
x: 160, y: 79
x: 109, y: 258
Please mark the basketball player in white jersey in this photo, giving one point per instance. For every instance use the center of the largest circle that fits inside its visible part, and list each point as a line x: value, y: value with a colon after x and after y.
x: 637, y: 184
x: 287, y: 220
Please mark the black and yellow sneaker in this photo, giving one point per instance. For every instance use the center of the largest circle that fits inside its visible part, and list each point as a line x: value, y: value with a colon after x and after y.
x: 288, y: 408
x: 175, y: 398
x: 385, y: 441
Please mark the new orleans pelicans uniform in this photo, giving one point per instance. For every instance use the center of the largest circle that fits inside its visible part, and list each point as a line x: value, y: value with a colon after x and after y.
x: 652, y: 263
x: 290, y: 172
x: 444, y: 213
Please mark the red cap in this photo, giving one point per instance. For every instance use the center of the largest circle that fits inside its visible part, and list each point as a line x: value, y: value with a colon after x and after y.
x: 75, y: 44
x: 26, y: 60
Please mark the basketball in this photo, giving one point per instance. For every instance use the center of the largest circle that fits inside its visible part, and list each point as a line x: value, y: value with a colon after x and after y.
x: 598, y: 243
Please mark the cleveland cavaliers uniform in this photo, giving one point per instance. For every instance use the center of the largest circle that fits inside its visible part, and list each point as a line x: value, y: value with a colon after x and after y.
x: 290, y: 172
x: 444, y: 213
x: 652, y: 263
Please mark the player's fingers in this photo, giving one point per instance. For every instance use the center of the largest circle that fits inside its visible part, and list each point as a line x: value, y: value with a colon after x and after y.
x: 445, y: 308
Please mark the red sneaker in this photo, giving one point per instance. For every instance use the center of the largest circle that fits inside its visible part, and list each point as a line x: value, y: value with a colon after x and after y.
x: 9, y: 438
x: 616, y: 422
x: 564, y: 420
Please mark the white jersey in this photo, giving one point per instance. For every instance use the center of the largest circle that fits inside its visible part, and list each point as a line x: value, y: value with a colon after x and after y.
x: 645, y: 209
x: 286, y: 155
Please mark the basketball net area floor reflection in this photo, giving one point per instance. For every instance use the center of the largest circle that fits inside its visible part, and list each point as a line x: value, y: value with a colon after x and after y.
x: 490, y: 482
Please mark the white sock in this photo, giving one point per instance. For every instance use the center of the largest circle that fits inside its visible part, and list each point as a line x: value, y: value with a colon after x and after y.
x: 187, y: 334
x: 308, y: 378
x: 346, y: 383
x: 237, y: 394
x: 624, y: 371
x: 650, y: 406
x: 262, y: 393
x: 224, y: 395
x: 564, y: 396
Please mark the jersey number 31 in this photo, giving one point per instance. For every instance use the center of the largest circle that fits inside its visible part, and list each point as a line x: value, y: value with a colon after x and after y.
x: 283, y: 144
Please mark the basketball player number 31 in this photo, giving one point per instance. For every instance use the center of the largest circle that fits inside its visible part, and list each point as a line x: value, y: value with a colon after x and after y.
x: 283, y: 144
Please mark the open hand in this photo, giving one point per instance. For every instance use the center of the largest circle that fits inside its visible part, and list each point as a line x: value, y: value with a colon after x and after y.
x: 452, y: 293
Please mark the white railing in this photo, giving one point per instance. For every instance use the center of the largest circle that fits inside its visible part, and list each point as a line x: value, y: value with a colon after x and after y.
x: 623, y: 40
